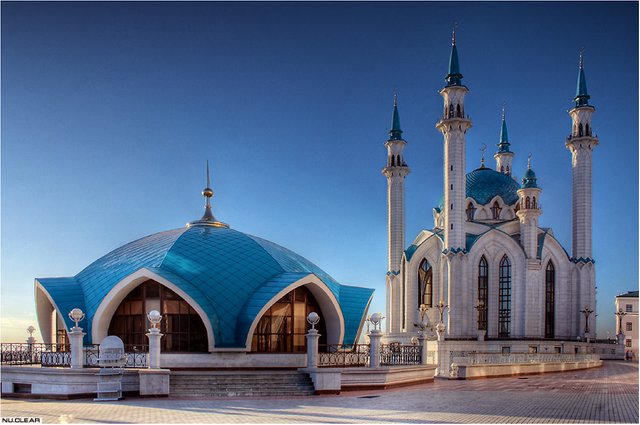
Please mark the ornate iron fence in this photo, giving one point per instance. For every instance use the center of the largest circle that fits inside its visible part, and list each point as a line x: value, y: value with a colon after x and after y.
x: 59, y: 355
x: 497, y: 358
x: 350, y: 355
x: 396, y: 354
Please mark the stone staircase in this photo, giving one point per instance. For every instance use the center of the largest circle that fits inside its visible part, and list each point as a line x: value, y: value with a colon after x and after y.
x: 240, y: 383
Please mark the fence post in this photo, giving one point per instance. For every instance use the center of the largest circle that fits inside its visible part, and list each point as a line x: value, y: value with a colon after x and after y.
x: 75, y: 339
x: 374, y: 348
x: 154, y: 336
x: 423, y: 348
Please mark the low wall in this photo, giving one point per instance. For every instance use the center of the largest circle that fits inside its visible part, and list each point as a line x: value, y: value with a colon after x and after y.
x: 232, y: 360
x: 510, y: 369
x: 58, y: 382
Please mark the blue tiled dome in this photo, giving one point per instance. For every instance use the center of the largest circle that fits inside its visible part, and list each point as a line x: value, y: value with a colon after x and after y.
x: 484, y: 183
x: 230, y: 274
x: 529, y: 179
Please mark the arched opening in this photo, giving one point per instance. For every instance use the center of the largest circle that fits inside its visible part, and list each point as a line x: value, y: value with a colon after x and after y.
x: 181, y: 325
x: 483, y: 293
x: 393, y: 160
x: 450, y: 112
x: 495, y: 210
x: 580, y: 130
x: 533, y: 203
x: 508, y: 172
x: 471, y: 211
x: 527, y: 203
x: 504, y: 298
x: 587, y: 131
x: 458, y: 113
x: 283, y: 326
x: 425, y: 284
x: 549, y: 301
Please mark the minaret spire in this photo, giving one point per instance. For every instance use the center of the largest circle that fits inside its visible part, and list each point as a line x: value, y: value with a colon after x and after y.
x: 207, y: 217
x: 396, y: 132
x: 504, y: 156
x: 454, y: 78
x: 582, y: 98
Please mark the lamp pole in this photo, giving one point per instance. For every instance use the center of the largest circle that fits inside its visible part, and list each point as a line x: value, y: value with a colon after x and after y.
x: 587, y: 312
x: 620, y: 315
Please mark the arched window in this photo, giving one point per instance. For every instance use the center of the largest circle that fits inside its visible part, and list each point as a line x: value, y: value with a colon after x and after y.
x: 504, y: 298
x: 483, y: 293
x: 181, y: 325
x: 580, y: 130
x: 425, y: 283
x: 508, y: 172
x: 527, y: 203
x: 495, y: 210
x: 587, y: 131
x: 450, y: 112
x: 549, y: 301
x: 458, y: 113
x: 283, y: 326
x: 471, y: 211
x: 398, y: 160
x: 533, y: 203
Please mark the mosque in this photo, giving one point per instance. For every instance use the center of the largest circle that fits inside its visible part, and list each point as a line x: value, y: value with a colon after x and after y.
x: 486, y: 267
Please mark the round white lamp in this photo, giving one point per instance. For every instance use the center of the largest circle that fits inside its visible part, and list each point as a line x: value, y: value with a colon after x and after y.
x: 154, y: 318
x: 76, y: 315
x: 313, y: 318
x: 376, y: 318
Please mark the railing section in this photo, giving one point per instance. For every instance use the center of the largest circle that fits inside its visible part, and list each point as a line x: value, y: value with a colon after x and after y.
x: 59, y: 355
x: 350, y: 355
x: 498, y: 358
x: 400, y: 355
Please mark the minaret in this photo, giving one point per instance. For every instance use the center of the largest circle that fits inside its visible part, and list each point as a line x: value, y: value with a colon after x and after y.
x: 395, y: 171
x: 453, y: 125
x: 504, y: 156
x: 207, y: 218
x: 581, y: 143
x: 529, y: 212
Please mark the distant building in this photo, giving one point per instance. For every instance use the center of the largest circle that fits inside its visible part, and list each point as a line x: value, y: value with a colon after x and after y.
x: 628, y: 303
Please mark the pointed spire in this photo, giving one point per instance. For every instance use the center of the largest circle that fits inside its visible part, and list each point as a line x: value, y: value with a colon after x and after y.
x: 396, y: 132
x: 483, y: 148
x: 454, y: 77
x: 207, y: 217
x: 504, y: 144
x: 582, y: 98
x: 529, y: 181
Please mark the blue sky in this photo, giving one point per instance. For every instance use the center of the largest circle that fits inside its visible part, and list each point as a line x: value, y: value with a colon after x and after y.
x: 109, y: 111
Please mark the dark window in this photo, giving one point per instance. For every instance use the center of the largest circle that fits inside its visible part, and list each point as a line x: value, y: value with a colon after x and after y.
x: 181, y: 325
x: 483, y: 293
x: 549, y: 301
x: 283, y: 326
x: 495, y: 210
x: 627, y: 343
x: 534, y: 205
x: 458, y: 113
x: 508, y: 172
x: 629, y: 326
x: 629, y: 308
x: 398, y: 160
x: 425, y: 284
x: 393, y: 161
x: 451, y: 111
x: 471, y: 211
x: 587, y: 131
x: 527, y: 203
x: 504, y: 298
x: 580, y: 129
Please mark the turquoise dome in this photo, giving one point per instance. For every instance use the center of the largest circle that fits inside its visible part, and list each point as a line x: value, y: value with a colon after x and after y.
x: 483, y: 184
x: 529, y: 179
x: 230, y: 274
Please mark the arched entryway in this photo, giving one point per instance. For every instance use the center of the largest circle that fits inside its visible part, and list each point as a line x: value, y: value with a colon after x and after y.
x: 181, y: 325
x: 283, y: 326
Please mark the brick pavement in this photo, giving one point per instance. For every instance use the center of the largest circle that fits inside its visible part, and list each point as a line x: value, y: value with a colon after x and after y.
x: 603, y: 395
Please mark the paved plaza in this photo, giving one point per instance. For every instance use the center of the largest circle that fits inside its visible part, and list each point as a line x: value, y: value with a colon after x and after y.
x: 604, y: 395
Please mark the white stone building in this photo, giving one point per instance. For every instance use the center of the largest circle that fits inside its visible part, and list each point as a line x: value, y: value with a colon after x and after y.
x: 501, y: 275
x: 627, y: 323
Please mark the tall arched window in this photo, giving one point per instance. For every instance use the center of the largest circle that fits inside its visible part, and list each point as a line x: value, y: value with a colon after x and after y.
x: 508, y: 172
x: 504, y: 298
x: 483, y: 293
x: 471, y: 211
x: 425, y: 283
x: 459, y: 114
x: 495, y: 210
x: 580, y: 129
x: 549, y: 301
x: 393, y: 160
x: 181, y: 325
x: 527, y: 203
x: 587, y: 131
x: 534, y: 205
x: 283, y: 326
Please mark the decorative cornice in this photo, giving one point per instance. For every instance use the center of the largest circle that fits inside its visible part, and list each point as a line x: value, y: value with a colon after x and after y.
x: 454, y: 251
x: 582, y: 260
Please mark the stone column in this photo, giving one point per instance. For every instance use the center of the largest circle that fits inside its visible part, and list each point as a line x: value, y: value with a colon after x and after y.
x: 312, y: 348
x: 154, y: 336
x: 423, y: 348
x: 77, y: 355
x: 374, y: 348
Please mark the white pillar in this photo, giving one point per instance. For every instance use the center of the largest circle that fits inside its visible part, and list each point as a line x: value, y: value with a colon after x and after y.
x: 77, y: 355
x: 312, y: 348
x: 374, y: 348
x: 154, y: 336
x: 423, y: 348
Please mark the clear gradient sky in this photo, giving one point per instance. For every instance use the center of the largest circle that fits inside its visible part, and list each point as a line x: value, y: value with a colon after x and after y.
x: 109, y: 111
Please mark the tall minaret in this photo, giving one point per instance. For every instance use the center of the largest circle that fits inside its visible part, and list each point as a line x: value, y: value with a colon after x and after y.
x: 395, y: 171
x: 453, y: 125
x: 529, y: 212
x: 504, y: 156
x: 581, y: 143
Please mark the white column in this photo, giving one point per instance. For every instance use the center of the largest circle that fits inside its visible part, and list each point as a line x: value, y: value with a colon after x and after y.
x: 77, y: 355
x: 374, y: 348
x: 312, y: 348
x: 423, y: 348
x: 154, y: 336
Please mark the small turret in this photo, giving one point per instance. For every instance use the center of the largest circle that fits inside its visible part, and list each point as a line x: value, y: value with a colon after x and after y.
x: 529, y: 210
x: 504, y: 156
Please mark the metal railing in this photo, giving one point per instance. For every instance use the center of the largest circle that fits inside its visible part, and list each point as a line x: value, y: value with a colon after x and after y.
x: 59, y: 355
x: 395, y: 354
x: 464, y: 359
x: 350, y: 355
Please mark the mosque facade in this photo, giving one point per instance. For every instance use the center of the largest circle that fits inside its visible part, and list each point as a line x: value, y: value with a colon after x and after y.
x: 487, y: 269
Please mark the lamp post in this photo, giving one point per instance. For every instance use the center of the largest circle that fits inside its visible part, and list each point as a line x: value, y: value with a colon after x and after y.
x: 421, y: 337
x: 620, y: 315
x: 587, y: 312
x: 75, y: 338
x: 482, y: 323
x: 312, y: 340
x: 422, y: 310
x: 154, y: 336
x: 374, y: 340
x: 440, y: 327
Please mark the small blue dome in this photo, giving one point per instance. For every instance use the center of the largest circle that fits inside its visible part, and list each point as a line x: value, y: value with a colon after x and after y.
x: 230, y: 274
x: 529, y: 179
x: 483, y: 184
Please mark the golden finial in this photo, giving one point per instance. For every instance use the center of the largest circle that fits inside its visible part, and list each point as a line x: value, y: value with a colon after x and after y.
x: 207, y: 219
x: 581, y: 53
x: 483, y: 148
x: 208, y: 192
x: 529, y: 161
